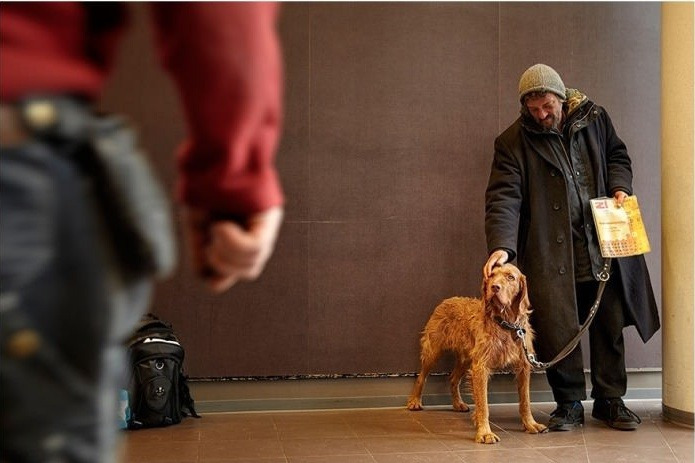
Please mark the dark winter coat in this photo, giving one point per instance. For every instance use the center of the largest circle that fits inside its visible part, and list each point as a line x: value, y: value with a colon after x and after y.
x: 527, y: 212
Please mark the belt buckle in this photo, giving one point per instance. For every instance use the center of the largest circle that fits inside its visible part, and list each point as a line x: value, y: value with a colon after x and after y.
x: 39, y: 114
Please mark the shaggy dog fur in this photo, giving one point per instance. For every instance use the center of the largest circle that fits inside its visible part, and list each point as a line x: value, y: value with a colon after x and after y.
x: 467, y: 327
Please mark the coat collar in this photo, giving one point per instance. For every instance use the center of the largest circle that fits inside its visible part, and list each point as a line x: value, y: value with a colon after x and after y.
x: 575, y: 100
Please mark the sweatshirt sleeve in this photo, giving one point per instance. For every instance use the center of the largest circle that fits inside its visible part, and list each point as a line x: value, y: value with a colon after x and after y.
x: 225, y: 60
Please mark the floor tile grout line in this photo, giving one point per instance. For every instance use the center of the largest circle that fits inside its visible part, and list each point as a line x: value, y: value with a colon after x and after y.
x: 668, y: 444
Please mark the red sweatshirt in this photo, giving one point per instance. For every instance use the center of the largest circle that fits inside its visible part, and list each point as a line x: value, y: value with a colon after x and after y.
x: 224, y: 58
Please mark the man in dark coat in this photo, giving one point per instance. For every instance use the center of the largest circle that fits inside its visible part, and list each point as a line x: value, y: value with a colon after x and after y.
x: 560, y: 153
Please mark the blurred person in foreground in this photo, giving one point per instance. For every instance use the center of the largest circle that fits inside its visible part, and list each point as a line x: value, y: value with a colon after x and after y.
x: 66, y: 298
x: 561, y: 152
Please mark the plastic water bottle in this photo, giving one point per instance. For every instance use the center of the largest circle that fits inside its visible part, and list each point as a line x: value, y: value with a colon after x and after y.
x: 123, y: 409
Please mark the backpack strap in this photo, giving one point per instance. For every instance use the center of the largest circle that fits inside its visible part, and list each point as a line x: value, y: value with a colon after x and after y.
x: 148, y: 326
x: 186, y: 399
x: 151, y: 321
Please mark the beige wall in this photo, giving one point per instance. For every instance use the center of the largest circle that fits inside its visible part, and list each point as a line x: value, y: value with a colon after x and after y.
x: 678, y: 210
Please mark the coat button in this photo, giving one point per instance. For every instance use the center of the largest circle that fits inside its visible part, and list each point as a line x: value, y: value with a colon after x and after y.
x: 560, y: 239
x: 562, y: 270
x: 556, y: 207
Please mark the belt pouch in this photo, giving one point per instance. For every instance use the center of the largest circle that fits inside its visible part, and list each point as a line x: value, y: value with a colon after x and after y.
x: 130, y: 198
x: 133, y: 203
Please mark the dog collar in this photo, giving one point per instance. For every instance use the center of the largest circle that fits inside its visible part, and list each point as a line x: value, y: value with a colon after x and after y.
x: 509, y: 326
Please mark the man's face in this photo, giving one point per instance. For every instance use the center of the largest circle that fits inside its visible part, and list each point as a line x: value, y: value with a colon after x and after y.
x: 546, y: 110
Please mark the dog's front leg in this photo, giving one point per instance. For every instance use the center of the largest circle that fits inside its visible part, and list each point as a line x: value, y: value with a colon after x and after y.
x: 523, y: 384
x: 479, y: 379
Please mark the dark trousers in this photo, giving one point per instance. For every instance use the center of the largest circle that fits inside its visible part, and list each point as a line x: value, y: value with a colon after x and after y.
x: 57, y: 282
x: 606, y: 344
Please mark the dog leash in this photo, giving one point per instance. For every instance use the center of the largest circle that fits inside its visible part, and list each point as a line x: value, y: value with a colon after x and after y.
x: 520, y: 332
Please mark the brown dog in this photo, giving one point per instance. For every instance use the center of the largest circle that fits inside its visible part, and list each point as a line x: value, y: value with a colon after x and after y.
x: 470, y: 329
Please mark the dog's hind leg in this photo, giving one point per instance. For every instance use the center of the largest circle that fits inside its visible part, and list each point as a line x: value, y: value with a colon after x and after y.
x: 428, y: 358
x: 460, y: 369
x: 415, y: 399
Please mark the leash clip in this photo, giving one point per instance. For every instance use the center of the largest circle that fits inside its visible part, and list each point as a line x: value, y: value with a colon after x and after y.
x: 605, y: 274
x: 535, y: 364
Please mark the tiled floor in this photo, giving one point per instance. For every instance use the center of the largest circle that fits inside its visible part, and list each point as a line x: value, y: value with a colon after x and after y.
x: 434, y: 435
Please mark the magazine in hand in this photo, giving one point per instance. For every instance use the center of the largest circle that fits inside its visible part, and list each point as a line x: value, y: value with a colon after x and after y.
x: 620, y: 230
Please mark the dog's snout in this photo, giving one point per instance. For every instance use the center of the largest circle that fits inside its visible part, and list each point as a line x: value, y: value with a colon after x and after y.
x: 495, y: 287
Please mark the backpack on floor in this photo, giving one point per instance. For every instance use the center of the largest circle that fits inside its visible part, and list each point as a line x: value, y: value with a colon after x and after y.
x: 158, y: 393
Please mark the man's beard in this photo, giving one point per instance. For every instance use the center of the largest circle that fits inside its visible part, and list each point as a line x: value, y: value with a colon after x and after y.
x: 554, y: 125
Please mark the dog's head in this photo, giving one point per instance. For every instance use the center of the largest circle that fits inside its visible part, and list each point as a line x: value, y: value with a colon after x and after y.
x: 504, y: 292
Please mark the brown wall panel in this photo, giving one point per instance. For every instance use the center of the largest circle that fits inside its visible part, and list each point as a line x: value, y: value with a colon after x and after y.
x: 391, y: 112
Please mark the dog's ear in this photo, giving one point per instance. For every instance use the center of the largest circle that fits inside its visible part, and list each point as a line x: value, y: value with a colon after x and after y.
x: 523, y: 302
x: 483, y: 291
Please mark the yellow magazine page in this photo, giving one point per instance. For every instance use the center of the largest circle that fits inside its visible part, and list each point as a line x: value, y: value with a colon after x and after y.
x: 620, y: 230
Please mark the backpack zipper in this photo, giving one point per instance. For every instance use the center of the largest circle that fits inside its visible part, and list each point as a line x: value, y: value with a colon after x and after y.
x: 166, y: 341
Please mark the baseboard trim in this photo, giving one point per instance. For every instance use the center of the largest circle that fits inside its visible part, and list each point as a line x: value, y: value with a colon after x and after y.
x: 375, y: 392
x: 676, y: 416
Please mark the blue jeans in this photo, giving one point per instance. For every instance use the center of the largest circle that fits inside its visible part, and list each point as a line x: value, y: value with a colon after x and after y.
x: 58, y: 280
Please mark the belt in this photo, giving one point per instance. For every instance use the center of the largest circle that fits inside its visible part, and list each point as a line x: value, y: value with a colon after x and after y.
x: 40, y: 116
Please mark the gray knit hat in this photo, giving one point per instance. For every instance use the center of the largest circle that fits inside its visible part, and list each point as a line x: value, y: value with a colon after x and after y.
x: 541, y: 78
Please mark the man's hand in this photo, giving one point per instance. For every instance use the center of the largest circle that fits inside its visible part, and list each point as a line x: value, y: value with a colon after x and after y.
x: 619, y: 197
x: 498, y: 257
x: 225, y: 252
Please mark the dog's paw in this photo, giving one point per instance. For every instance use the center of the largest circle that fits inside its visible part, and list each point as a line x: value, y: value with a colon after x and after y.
x: 461, y: 406
x: 487, y: 438
x: 535, y: 428
x: 414, y: 404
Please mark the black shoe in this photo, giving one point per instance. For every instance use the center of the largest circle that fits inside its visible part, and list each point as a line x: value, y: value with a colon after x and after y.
x: 567, y: 416
x: 615, y: 414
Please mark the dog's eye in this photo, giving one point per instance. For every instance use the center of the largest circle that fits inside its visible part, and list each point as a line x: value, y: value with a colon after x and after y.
x: 511, y: 277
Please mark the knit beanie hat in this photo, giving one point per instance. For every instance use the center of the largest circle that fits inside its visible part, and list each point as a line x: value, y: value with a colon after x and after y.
x: 541, y: 78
